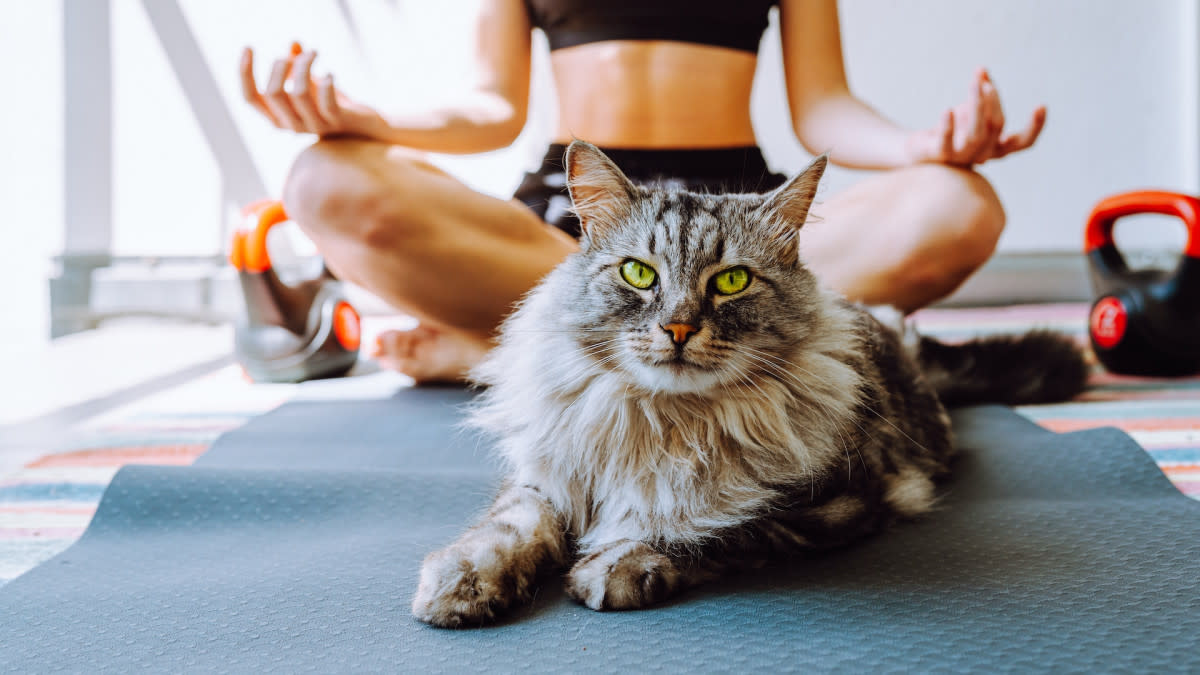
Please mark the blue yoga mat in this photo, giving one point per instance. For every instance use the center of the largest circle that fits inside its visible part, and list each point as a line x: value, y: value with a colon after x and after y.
x: 294, y: 543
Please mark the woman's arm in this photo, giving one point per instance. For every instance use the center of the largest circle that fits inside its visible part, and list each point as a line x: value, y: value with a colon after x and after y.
x: 826, y: 116
x: 488, y: 114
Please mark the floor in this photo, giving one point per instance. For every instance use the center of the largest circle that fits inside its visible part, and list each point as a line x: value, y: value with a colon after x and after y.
x: 76, y: 377
x: 158, y: 392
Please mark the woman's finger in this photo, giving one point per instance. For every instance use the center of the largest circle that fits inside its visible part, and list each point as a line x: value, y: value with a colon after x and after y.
x: 327, y: 101
x: 1023, y: 139
x: 303, y: 95
x: 974, y: 133
x: 277, y: 98
x: 250, y: 87
x: 946, y: 129
x: 995, y: 107
x: 995, y: 122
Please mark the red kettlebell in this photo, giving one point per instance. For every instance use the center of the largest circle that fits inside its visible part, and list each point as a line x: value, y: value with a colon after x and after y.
x: 1144, y: 322
x: 289, y: 332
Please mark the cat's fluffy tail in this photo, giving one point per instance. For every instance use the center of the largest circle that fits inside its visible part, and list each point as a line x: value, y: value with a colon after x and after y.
x: 1036, y: 367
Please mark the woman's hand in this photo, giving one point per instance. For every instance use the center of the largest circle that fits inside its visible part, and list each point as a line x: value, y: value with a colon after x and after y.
x: 972, y: 132
x: 293, y: 99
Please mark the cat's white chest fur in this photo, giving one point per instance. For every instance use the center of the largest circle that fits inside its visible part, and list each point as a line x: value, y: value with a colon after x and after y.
x: 619, y: 462
x: 623, y: 464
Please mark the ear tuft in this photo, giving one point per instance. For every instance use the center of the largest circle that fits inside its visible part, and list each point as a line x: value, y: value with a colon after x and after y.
x: 600, y: 193
x: 786, y: 209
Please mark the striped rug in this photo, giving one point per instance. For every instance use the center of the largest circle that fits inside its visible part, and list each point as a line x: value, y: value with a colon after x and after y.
x: 1163, y: 415
x: 47, y: 505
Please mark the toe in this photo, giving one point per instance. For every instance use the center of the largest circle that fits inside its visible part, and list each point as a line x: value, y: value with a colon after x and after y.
x: 396, y: 350
x: 429, y: 354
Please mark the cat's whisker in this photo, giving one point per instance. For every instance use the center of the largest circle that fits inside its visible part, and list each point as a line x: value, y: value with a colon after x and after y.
x: 599, y: 348
x: 831, y: 418
x: 569, y: 331
x: 630, y: 464
x: 864, y: 406
x: 780, y: 366
x: 581, y: 373
x: 838, y: 428
x: 609, y: 359
x: 578, y: 375
x: 839, y: 432
x: 745, y: 376
x: 591, y: 350
x: 609, y: 341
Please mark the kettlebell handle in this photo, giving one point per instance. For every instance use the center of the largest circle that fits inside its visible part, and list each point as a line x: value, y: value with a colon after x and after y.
x: 249, y: 247
x: 1099, y: 230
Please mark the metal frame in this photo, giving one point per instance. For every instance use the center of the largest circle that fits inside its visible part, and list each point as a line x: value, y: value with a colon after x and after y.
x: 87, y: 158
x: 88, y: 151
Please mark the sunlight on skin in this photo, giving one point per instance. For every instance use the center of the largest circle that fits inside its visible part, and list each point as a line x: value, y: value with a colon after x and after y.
x: 492, y: 110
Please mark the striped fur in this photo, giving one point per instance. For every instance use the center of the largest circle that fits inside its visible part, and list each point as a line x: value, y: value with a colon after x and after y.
x: 494, y: 565
x: 791, y: 421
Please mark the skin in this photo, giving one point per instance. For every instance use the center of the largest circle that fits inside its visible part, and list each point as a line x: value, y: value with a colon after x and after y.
x: 382, y: 215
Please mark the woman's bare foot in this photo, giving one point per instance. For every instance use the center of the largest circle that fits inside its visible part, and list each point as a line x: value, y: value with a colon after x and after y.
x: 428, y: 354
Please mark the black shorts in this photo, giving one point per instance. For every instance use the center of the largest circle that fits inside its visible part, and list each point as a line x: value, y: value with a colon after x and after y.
x: 713, y: 171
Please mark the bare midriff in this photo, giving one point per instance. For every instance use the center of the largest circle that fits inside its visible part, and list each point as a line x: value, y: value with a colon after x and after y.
x: 654, y: 94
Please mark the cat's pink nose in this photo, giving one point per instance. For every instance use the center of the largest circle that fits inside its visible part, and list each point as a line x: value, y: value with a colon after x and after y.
x: 680, y: 332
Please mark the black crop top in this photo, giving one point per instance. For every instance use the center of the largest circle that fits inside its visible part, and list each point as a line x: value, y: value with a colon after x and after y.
x: 738, y: 24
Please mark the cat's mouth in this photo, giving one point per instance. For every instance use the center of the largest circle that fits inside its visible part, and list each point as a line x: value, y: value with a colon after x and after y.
x: 673, y: 374
x: 676, y: 364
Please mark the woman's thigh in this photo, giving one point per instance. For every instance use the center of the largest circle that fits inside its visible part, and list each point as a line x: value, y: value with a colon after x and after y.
x: 906, y: 237
x: 388, y: 220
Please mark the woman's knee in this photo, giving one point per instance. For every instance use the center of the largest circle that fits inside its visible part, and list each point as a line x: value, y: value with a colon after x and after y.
x: 966, y: 218
x: 956, y: 220
x: 963, y: 220
x: 354, y: 189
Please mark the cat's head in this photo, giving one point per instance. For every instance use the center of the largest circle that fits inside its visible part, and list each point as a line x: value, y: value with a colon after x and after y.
x: 686, y: 292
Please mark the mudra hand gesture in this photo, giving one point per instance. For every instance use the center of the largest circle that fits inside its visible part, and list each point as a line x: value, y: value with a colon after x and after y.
x: 295, y: 100
x: 972, y: 132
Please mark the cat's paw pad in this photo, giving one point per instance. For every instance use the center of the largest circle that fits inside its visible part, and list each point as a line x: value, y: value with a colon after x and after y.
x: 454, y: 592
x: 627, y: 575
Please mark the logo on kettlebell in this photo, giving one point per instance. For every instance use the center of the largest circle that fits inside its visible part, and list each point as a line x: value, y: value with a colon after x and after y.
x: 1108, y: 322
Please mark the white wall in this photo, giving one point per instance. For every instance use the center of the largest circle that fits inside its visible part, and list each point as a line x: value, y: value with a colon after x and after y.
x: 31, y: 210
x: 390, y: 54
x: 1120, y: 79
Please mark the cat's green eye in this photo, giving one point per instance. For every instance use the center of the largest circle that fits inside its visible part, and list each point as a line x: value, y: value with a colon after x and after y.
x: 638, y: 274
x: 732, y: 280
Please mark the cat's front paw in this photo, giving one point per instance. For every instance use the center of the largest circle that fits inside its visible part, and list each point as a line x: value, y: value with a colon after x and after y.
x: 623, y: 575
x: 456, y: 592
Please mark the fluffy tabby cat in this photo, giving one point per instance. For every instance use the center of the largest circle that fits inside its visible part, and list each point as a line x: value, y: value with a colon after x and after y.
x: 681, y: 398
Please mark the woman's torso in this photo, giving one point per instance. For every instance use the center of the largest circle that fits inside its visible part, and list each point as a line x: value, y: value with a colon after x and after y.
x: 652, y: 93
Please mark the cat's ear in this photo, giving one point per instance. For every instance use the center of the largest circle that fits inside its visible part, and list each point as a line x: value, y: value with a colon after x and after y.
x: 600, y: 193
x: 786, y: 209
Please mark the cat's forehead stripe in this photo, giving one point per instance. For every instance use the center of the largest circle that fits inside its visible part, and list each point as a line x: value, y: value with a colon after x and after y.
x: 694, y: 227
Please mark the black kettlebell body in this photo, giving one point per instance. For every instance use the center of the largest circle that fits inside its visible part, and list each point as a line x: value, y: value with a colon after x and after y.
x: 289, y: 332
x: 1144, y: 322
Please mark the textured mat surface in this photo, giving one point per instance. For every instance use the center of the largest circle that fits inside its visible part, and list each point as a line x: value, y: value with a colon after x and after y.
x: 293, y: 545
x: 45, y: 507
